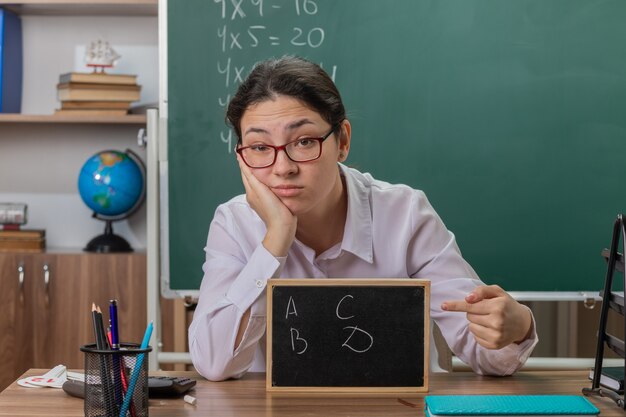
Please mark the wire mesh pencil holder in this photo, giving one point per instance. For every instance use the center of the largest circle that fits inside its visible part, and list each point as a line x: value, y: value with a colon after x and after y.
x: 109, y: 377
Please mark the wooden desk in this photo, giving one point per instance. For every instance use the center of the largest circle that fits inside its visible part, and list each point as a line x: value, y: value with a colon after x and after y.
x: 247, y: 397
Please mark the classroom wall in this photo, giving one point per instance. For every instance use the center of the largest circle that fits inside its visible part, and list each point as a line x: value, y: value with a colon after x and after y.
x: 39, y: 164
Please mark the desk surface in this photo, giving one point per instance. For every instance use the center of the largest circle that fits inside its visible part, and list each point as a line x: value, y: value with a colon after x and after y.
x: 247, y: 397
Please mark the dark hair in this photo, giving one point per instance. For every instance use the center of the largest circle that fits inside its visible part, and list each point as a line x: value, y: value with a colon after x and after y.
x: 289, y: 76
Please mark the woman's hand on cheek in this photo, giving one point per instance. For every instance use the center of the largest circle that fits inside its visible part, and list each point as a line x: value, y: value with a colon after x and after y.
x: 280, y: 222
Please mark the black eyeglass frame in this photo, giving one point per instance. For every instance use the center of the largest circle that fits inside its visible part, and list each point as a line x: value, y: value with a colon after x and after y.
x: 319, y: 139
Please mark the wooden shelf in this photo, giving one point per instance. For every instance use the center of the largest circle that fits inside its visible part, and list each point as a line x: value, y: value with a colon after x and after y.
x: 83, y: 7
x: 35, y: 118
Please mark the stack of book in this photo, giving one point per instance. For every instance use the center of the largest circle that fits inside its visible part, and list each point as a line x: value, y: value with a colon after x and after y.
x: 97, y: 93
x: 25, y: 240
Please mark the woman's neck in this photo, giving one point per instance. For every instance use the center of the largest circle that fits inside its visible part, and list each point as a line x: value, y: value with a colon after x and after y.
x: 322, y: 229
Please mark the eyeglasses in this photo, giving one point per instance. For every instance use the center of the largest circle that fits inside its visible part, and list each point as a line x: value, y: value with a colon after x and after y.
x: 300, y: 150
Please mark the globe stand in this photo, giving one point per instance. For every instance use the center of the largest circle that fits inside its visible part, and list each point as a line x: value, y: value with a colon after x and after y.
x: 108, y: 241
x: 113, y: 185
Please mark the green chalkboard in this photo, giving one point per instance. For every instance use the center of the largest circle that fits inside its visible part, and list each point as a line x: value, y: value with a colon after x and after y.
x: 509, y: 114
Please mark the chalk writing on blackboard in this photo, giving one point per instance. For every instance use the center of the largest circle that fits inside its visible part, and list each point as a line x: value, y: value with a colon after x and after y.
x: 291, y: 308
x: 355, y: 329
x: 259, y: 34
x: 298, y: 341
x: 358, y: 340
x: 349, y: 334
x: 337, y: 309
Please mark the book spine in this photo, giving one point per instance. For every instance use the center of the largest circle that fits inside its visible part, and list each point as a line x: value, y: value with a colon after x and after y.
x: 22, y: 234
x: 22, y: 245
x: 97, y: 95
x: 10, y: 62
x: 97, y: 79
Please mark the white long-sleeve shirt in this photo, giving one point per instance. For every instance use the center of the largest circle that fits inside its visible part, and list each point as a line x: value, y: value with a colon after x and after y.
x: 390, y: 231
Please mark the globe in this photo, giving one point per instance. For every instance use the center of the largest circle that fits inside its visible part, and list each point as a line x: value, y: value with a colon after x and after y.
x: 112, y: 184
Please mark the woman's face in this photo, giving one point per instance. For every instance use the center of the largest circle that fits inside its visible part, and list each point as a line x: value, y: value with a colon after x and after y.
x: 302, y: 186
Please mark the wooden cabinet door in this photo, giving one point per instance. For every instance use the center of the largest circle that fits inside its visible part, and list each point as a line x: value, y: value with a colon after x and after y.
x: 123, y: 277
x: 15, y: 329
x: 41, y: 277
x: 75, y: 282
x: 45, y: 306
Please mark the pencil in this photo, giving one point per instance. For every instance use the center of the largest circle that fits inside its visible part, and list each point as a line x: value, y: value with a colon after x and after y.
x: 102, y: 344
x: 137, y: 370
x: 94, y: 317
x: 101, y: 341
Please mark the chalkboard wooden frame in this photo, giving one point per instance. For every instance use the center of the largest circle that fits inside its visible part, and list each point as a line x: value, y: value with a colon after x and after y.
x: 316, y: 284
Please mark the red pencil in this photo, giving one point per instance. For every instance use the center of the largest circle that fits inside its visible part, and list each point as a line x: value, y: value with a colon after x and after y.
x: 123, y: 374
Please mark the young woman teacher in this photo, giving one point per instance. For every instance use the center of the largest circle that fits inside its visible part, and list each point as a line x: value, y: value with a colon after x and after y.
x: 305, y: 214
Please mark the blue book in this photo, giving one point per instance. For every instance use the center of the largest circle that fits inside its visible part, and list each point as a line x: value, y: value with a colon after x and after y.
x: 10, y: 62
x: 525, y: 405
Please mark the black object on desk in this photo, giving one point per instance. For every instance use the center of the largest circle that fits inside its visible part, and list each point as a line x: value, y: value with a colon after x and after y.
x: 348, y: 334
x: 614, y: 301
x: 169, y: 386
x: 158, y: 386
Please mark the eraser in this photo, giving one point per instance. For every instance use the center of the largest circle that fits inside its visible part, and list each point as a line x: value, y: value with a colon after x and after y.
x: 189, y: 399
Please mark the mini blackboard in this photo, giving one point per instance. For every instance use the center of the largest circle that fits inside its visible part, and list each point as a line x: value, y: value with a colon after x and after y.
x: 348, y: 335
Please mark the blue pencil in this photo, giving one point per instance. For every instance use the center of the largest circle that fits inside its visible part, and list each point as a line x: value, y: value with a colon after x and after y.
x: 135, y: 376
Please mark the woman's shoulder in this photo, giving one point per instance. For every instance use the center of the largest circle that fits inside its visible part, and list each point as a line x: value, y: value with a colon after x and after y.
x: 394, y: 205
x: 380, y: 189
x: 236, y: 207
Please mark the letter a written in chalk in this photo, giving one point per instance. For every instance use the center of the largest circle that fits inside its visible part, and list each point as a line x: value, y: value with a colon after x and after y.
x: 291, y: 308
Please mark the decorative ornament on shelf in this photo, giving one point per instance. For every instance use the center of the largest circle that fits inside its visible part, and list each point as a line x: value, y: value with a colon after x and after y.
x: 97, y: 93
x: 13, y: 237
x: 100, y: 55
